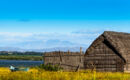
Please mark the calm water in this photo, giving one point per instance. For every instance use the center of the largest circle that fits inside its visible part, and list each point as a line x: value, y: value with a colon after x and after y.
x: 25, y: 63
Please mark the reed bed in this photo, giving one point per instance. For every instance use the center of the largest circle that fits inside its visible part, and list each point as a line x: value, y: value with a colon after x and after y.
x: 38, y: 74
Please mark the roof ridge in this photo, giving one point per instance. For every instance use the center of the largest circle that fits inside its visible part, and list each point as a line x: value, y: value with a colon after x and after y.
x: 108, y: 32
x: 110, y: 37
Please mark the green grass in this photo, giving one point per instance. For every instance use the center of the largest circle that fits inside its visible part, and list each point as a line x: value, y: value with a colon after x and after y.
x: 20, y: 57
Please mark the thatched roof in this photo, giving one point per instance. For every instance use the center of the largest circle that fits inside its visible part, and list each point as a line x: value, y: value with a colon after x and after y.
x: 118, y: 40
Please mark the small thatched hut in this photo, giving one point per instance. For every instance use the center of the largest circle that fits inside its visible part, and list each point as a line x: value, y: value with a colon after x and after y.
x: 110, y: 52
x: 71, y: 61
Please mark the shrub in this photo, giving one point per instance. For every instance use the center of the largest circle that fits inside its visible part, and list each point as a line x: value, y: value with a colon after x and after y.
x: 50, y: 67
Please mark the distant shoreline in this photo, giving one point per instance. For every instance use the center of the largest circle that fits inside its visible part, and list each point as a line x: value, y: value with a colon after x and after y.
x: 23, y: 57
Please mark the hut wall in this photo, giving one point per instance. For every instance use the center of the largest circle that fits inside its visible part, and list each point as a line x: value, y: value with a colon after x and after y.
x: 126, y: 52
x: 103, y: 58
x: 127, y: 65
x: 67, y: 60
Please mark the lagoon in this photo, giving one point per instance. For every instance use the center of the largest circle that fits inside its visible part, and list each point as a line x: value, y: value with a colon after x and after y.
x: 19, y: 63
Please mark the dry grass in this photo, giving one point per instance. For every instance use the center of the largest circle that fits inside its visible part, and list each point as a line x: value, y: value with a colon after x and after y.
x: 35, y: 74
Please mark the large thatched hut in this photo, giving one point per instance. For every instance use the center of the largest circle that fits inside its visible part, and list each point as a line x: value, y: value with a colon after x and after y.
x: 110, y: 52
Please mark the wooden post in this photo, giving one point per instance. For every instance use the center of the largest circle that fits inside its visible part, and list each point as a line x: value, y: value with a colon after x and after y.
x: 68, y: 51
x: 44, y: 56
x: 60, y: 56
x: 81, y: 54
x: 80, y: 50
x: 77, y: 69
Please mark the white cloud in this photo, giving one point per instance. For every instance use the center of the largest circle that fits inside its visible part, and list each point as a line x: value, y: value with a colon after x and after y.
x: 41, y: 40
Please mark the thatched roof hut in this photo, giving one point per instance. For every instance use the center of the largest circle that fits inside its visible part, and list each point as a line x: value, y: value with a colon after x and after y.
x: 109, y: 52
x: 71, y: 61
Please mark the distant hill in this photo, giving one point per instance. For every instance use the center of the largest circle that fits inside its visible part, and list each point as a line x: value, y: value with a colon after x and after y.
x: 11, y: 49
x: 72, y: 49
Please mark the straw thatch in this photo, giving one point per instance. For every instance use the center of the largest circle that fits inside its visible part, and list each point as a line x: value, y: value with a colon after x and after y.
x: 71, y: 61
x: 109, y: 52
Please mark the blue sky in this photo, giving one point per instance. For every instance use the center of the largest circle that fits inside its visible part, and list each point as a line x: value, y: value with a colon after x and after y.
x: 41, y: 24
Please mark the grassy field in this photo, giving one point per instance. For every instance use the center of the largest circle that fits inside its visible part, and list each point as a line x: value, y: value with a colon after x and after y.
x: 20, y: 57
x: 35, y: 74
